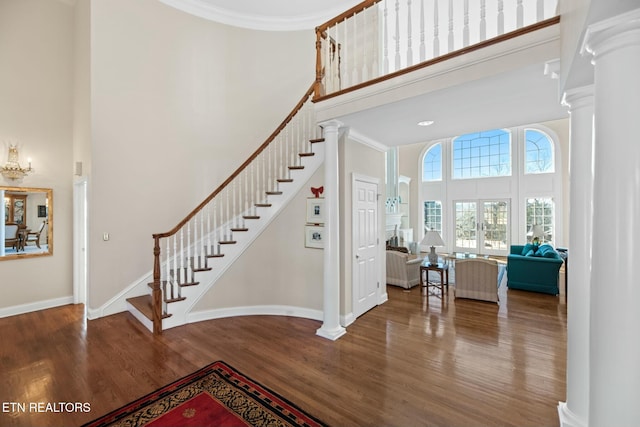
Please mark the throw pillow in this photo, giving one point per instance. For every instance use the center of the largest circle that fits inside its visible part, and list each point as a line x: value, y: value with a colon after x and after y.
x: 528, y: 247
x: 530, y: 253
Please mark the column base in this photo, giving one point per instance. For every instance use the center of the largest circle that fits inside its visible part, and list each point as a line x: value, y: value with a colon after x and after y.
x: 331, y: 334
x: 568, y: 418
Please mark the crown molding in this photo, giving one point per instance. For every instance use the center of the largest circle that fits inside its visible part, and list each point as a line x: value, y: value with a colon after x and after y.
x: 208, y: 11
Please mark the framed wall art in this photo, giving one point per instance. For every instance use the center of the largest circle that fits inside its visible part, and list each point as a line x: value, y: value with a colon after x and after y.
x: 314, y: 236
x: 315, y: 211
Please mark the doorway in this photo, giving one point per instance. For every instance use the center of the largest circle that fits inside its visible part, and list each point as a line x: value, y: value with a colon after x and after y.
x: 366, y: 238
x: 80, y: 242
x: 482, y: 226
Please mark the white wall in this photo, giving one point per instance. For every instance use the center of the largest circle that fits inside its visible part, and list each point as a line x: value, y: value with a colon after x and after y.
x: 36, y: 86
x: 177, y: 104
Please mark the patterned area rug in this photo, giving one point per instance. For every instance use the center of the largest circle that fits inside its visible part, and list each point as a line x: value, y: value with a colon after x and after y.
x: 216, y: 395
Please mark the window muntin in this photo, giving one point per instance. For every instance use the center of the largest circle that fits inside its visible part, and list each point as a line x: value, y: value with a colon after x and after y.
x: 482, y: 155
x: 433, y: 215
x: 541, y: 211
x: 538, y: 153
x: 432, y: 164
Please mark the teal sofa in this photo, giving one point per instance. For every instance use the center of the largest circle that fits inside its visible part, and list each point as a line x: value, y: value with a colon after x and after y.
x: 532, y: 268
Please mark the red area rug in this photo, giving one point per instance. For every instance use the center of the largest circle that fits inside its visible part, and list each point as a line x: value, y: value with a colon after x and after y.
x: 216, y: 395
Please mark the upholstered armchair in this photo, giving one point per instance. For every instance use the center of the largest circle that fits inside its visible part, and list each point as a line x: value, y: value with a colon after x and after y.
x: 11, y: 236
x: 477, y: 278
x: 34, y: 236
x: 402, y: 269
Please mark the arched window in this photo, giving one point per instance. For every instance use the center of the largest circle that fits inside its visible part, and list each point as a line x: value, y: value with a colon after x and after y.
x: 538, y: 152
x: 432, y: 164
x: 482, y: 155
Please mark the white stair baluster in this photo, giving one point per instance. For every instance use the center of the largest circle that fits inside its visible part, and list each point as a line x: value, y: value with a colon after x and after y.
x: 346, y: 81
x: 500, y: 17
x: 483, y: 21
x: 540, y: 10
x: 436, y: 30
x: 189, y: 262
x: 450, y: 44
x: 409, y: 38
x: 398, y: 60
x: 365, y: 66
x: 183, y: 273
x: 465, y: 29
x: 385, y: 41
x: 519, y: 15
x: 208, y: 251
x: 355, y: 78
x: 423, y: 47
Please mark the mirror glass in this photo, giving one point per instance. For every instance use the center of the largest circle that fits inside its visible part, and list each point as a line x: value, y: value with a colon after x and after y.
x: 28, y: 222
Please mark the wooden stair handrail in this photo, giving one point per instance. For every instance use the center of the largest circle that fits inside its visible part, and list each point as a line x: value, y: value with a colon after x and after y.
x: 237, y: 172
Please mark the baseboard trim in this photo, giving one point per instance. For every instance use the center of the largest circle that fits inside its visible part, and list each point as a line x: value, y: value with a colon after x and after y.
x: 258, y: 310
x: 568, y: 418
x: 35, y: 306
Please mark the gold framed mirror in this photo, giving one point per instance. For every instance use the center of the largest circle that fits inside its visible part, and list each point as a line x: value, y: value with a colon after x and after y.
x: 27, y: 230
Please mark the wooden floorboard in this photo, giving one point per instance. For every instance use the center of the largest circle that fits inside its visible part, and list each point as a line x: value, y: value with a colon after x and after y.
x: 413, y: 361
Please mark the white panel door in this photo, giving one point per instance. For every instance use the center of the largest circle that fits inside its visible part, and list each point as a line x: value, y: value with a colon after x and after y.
x: 366, y: 280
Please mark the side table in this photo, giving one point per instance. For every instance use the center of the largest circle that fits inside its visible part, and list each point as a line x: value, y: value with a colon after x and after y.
x: 425, y: 283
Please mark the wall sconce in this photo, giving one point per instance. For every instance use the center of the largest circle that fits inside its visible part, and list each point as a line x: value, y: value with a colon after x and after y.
x: 12, y: 169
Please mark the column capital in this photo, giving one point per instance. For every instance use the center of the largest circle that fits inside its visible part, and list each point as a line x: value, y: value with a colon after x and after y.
x: 578, y: 97
x: 611, y: 34
x: 331, y: 125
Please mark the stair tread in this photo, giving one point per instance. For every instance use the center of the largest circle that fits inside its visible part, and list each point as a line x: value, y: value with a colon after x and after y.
x: 202, y: 269
x: 227, y: 242
x: 240, y: 229
x: 215, y: 256
x: 306, y: 154
x: 251, y: 217
x: 144, y: 305
x: 273, y: 193
x: 285, y: 180
x: 296, y: 167
x: 263, y: 205
x: 316, y: 140
x: 182, y: 285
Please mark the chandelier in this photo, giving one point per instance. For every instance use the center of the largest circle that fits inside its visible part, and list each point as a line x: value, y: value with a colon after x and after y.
x: 12, y: 169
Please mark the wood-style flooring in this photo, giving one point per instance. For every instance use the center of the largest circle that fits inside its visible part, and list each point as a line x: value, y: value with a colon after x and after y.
x: 413, y: 361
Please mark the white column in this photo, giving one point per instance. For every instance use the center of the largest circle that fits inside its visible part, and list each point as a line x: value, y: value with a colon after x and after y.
x: 331, y: 328
x: 575, y: 411
x: 614, y: 389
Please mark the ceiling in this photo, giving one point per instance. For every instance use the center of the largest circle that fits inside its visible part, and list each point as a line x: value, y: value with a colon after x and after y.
x: 513, y: 98
x: 273, y: 15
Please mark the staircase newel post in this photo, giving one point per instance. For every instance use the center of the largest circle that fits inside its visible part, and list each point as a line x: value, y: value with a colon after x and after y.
x: 317, y: 87
x: 156, y: 293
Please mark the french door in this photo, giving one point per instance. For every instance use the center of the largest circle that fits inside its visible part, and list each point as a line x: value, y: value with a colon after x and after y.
x: 482, y: 226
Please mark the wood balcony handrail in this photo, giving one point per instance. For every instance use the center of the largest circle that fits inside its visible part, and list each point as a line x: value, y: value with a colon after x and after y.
x: 354, y: 10
x: 242, y: 167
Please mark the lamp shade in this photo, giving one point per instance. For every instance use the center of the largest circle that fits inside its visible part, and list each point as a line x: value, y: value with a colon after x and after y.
x: 536, y: 230
x: 432, y: 238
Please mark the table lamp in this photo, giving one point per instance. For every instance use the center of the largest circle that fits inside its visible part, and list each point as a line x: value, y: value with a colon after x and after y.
x: 432, y: 239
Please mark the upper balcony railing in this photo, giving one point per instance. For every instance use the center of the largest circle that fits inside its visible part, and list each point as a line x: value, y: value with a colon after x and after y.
x: 378, y: 39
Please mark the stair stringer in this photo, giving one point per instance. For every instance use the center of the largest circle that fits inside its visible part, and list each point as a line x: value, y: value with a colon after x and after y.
x: 182, y: 312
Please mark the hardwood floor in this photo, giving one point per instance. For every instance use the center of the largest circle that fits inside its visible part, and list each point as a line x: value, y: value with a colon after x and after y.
x: 412, y: 361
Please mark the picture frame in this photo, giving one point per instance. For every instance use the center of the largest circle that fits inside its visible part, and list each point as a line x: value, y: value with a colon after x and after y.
x: 314, y: 236
x: 42, y: 211
x: 315, y: 210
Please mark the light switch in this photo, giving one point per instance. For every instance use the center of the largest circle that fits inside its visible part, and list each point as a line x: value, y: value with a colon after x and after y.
x: 105, y: 236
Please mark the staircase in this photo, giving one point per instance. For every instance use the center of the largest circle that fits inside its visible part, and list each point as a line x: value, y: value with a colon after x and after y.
x: 190, y: 258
